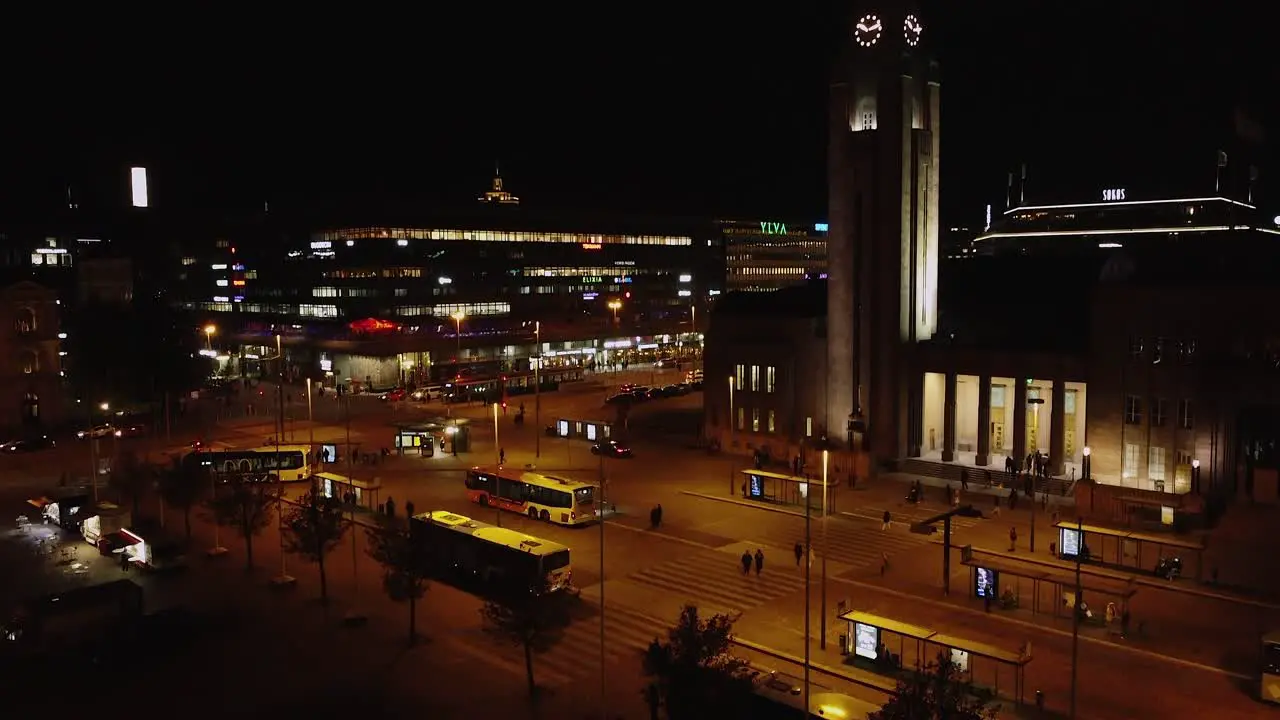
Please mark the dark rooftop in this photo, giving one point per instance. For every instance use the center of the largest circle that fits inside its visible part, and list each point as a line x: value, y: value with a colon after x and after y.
x: 801, y: 301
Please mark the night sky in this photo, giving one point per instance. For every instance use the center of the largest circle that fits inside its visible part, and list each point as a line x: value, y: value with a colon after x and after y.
x: 666, y: 111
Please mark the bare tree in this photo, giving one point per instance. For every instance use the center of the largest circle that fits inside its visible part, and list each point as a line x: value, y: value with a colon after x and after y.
x: 406, y: 566
x: 132, y: 478
x: 244, y: 503
x: 313, y: 528
x: 531, y: 618
x: 181, y: 487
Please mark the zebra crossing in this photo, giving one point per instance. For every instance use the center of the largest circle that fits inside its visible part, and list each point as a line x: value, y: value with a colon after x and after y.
x: 856, y: 545
x: 910, y: 514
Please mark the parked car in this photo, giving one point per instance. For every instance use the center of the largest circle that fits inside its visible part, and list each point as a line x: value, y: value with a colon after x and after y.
x: 30, y: 444
x: 611, y: 448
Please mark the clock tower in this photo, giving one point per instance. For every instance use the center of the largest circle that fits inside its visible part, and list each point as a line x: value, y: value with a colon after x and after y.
x: 883, y: 155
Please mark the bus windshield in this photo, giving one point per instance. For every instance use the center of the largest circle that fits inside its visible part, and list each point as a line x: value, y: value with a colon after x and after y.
x: 585, y: 495
x: 1271, y: 658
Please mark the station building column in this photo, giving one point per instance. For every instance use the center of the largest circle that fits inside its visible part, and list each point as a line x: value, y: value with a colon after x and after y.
x: 983, y: 457
x: 949, y: 419
x: 1020, y: 421
x: 1058, y: 428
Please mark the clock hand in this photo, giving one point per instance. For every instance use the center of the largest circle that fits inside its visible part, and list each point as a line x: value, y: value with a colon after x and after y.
x: 863, y: 28
x: 874, y: 28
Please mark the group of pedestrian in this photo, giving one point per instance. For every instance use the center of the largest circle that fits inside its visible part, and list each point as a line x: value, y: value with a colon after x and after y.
x: 748, y: 559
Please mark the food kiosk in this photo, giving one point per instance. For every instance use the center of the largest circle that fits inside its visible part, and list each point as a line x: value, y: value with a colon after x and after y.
x: 106, y: 519
x: 66, y: 510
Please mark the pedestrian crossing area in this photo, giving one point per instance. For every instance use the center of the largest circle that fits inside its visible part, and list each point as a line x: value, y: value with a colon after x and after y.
x: 909, y: 514
x: 576, y: 657
x: 856, y: 545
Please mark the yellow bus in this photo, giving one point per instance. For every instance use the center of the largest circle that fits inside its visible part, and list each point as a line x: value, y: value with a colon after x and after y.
x: 493, y: 555
x: 284, y: 463
x: 541, y: 497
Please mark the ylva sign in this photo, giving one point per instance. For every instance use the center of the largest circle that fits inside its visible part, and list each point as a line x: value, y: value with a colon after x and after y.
x: 773, y: 228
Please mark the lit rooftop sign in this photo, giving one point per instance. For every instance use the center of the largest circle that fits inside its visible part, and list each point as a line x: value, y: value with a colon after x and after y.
x: 1113, y: 195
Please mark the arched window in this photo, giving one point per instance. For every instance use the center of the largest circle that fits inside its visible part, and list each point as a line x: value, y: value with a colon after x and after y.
x: 28, y: 362
x: 25, y: 321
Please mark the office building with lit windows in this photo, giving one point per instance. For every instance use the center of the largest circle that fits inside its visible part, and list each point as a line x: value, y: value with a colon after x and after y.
x: 1126, y: 339
x: 762, y: 256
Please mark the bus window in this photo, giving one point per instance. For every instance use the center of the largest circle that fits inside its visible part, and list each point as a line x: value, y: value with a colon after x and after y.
x: 586, y: 495
x: 479, y: 481
x: 555, y: 561
x: 511, y: 489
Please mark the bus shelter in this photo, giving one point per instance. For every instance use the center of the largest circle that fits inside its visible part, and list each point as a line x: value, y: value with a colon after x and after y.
x: 866, y: 642
x: 1126, y: 547
x: 964, y: 653
x: 592, y: 431
x: 363, y: 493
x: 1008, y: 584
x: 784, y: 489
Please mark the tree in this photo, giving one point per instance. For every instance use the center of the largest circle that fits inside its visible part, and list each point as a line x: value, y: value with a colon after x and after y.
x: 313, y: 528
x: 182, y: 486
x: 132, y: 478
x: 695, y: 671
x: 406, y: 566
x: 244, y: 503
x: 530, y: 617
x: 938, y: 691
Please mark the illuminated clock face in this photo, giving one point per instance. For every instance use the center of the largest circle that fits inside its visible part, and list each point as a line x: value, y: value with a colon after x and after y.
x: 911, y: 29
x: 868, y: 30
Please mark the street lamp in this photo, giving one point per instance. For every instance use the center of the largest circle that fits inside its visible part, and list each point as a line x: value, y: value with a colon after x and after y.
x: 497, y: 459
x: 1036, y: 403
x: 731, y: 426
x: 1085, y: 463
x: 457, y: 316
x: 209, y: 332
x: 615, y: 306
x: 1195, y: 475
x: 537, y: 392
x: 822, y: 638
x: 93, y: 451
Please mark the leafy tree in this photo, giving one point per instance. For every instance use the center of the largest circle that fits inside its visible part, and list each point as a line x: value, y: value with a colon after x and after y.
x: 132, y: 478
x: 313, y: 528
x: 406, y: 566
x: 182, y: 486
x: 530, y: 617
x: 940, y: 690
x: 694, y: 671
x: 245, y: 505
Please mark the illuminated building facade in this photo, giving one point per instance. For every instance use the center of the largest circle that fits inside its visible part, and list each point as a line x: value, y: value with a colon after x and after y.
x: 1128, y: 338
x: 761, y: 256
x: 31, y: 383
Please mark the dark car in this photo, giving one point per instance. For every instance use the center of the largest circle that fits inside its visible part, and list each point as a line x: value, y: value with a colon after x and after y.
x: 619, y: 399
x: 26, y: 445
x: 611, y: 448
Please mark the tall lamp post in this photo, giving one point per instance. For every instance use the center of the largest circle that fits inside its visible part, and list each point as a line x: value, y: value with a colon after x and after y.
x: 537, y: 392
x: 731, y: 430
x: 615, y: 306
x: 497, y: 460
x: 457, y: 316
x: 93, y: 452
x: 822, y: 612
x: 209, y: 332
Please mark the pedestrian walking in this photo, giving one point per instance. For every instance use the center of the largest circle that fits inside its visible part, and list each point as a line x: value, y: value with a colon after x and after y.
x: 759, y: 561
x: 799, y: 549
x: 1124, y: 623
x: 1013, y: 539
x: 653, y: 518
x: 746, y: 562
x: 657, y: 515
x: 884, y: 525
x: 964, y: 480
x: 884, y: 563
x: 744, y: 489
x: 502, y: 456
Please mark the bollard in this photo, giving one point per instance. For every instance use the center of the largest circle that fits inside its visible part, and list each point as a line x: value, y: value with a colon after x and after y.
x: 1040, y: 700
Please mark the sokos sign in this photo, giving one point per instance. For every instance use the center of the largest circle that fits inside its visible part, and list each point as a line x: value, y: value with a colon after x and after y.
x: 773, y: 228
x: 1113, y: 195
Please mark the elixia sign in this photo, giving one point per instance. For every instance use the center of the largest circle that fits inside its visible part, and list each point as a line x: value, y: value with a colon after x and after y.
x: 773, y: 228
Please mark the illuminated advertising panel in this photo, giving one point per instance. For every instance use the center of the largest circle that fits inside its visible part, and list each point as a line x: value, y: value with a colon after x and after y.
x: 866, y: 640
x: 138, y: 184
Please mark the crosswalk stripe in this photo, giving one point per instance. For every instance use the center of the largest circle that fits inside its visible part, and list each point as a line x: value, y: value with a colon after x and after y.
x: 719, y: 578
x: 855, y: 546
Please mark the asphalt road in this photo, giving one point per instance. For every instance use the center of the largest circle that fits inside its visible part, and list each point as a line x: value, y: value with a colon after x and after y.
x: 649, y: 574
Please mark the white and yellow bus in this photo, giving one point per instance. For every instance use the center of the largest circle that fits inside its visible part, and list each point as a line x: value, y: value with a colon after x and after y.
x: 284, y: 463
x: 493, y: 555
x: 541, y: 497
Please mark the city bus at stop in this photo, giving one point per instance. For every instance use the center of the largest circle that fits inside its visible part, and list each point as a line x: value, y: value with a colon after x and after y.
x: 541, y: 497
x: 272, y: 463
x: 495, y: 556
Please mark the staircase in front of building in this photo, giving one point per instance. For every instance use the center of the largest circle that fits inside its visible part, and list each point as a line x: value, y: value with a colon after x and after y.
x: 950, y: 472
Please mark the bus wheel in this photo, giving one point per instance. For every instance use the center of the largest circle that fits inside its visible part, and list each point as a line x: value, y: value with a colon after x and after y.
x: 484, y: 500
x: 533, y: 513
x: 545, y: 516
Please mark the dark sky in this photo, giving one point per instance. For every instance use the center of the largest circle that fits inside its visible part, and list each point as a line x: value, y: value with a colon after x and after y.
x: 657, y: 108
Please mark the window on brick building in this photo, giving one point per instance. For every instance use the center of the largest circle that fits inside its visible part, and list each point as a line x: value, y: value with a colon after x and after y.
x: 1158, y: 407
x: 770, y: 378
x: 755, y: 419
x: 773, y: 427
x: 1132, y: 455
x: 1135, y: 347
x: 1186, y: 415
x: 755, y: 378
x: 1132, y: 410
x: 738, y: 372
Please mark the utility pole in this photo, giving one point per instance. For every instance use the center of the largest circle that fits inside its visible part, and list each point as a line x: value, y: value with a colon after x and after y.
x: 537, y: 393
x: 808, y: 575
x: 353, y: 616
x: 822, y: 613
x: 497, y: 462
x: 732, y: 426
x: 1037, y: 402
x: 1075, y: 616
x: 604, y: 695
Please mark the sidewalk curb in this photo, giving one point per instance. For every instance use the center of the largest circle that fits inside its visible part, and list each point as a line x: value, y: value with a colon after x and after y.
x: 1149, y: 654
x: 885, y: 685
